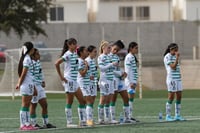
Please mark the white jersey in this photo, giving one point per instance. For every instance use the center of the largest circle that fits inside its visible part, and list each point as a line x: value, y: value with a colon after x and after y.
x: 70, y: 66
x: 83, y: 80
x: 93, y: 69
x: 28, y: 63
x: 172, y: 74
x: 106, y: 67
x: 130, y: 65
x: 38, y: 74
x: 117, y: 72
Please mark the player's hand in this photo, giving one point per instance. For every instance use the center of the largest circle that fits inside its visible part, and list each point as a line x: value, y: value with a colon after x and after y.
x: 132, y: 85
x: 91, y: 77
x: 43, y: 84
x: 177, y: 54
x: 124, y: 75
x: 64, y: 79
x: 17, y: 86
x: 115, y: 63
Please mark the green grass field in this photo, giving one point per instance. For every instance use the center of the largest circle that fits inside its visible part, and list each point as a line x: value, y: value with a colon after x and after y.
x: 146, y: 110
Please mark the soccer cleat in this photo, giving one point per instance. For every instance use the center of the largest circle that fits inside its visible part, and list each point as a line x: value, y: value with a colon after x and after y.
x: 101, y: 122
x: 70, y: 125
x: 49, y: 125
x: 114, y: 122
x: 106, y: 121
x: 27, y: 128
x: 133, y: 119
x: 90, y: 123
x: 178, y: 118
x: 82, y: 123
x: 129, y: 121
x: 169, y: 118
x: 38, y: 126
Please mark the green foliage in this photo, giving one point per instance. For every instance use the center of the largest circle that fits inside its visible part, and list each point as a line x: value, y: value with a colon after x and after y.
x: 23, y: 15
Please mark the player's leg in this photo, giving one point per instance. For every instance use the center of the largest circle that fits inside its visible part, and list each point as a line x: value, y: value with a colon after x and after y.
x: 81, y: 107
x: 44, y: 106
x: 169, y: 106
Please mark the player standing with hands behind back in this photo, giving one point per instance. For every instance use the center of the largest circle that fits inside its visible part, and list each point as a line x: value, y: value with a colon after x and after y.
x: 130, y: 65
x: 26, y: 85
x: 173, y: 81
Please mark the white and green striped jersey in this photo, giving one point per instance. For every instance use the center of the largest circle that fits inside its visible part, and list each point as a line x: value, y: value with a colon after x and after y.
x: 38, y: 74
x: 93, y: 69
x: 130, y: 66
x: 117, y: 71
x: 28, y: 63
x: 83, y: 80
x: 70, y: 66
x: 106, y: 67
x: 172, y: 74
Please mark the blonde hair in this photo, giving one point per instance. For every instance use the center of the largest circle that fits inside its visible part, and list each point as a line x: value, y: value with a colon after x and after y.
x: 103, y: 44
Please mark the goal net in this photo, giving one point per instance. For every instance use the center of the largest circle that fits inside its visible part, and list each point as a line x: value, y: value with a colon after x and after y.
x: 10, y: 77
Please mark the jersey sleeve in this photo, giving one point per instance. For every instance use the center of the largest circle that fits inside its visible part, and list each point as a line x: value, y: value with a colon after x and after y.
x: 102, y: 66
x: 26, y: 62
x: 65, y: 57
x: 81, y: 65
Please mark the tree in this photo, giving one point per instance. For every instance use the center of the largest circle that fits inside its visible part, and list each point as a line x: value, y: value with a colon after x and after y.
x: 23, y: 15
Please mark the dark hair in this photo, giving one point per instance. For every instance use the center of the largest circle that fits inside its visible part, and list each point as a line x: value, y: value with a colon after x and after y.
x: 91, y: 48
x: 66, y: 43
x: 27, y: 46
x: 130, y: 46
x: 80, y: 50
x: 65, y: 48
x: 170, y: 47
x: 119, y: 43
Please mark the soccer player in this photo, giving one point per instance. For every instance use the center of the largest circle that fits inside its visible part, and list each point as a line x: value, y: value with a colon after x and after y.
x: 83, y: 79
x: 69, y: 57
x: 119, y: 87
x: 93, y: 70
x: 130, y: 65
x: 173, y: 81
x: 41, y: 95
x: 26, y: 85
x: 106, y: 68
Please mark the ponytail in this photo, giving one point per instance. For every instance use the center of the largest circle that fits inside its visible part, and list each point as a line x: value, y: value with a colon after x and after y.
x: 26, y: 48
x: 65, y: 48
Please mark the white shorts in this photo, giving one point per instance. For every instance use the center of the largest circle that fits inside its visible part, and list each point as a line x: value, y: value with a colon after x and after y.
x: 27, y: 89
x: 40, y: 94
x: 106, y: 87
x: 93, y: 89
x: 174, y: 86
x: 119, y: 85
x: 71, y: 86
x: 86, y: 90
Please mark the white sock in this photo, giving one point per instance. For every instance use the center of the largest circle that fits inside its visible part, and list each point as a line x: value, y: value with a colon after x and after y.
x: 126, y: 112
x: 168, y: 109
x: 106, y: 112
x: 100, y: 113
x: 131, y: 109
x: 89, y: 113
x: 112, y: 112
x: 177, y: 109
x: 82, y: 114
x: 24, y: 118
x: 68, y: 113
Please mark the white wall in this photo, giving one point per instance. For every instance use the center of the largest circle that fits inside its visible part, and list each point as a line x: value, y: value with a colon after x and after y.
x: 193, y: 10
x: 74, y: 10
x: 109, y: 11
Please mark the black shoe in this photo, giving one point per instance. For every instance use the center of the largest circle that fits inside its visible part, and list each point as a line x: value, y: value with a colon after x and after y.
x: 38, y: 126
x: 49, y: 126
x: 133, y: 119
